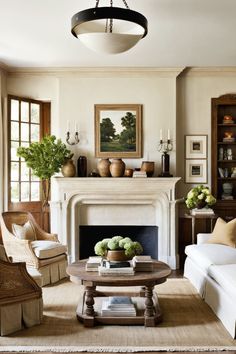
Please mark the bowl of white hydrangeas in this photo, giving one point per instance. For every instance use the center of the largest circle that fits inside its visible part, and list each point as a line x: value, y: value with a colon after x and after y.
x: 199, y: 197
x: 118, y: 248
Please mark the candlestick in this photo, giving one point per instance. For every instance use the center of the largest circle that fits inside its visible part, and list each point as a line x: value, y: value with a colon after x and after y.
x: 68, y: 126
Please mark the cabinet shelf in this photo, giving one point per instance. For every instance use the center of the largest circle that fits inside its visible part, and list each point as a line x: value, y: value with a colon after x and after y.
x: 225, y: 143
x: 227, y: 125
x: 224, y: 105
x: 226, y: 178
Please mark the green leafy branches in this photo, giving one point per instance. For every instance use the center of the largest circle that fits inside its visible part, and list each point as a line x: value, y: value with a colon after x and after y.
x: 46, y: 157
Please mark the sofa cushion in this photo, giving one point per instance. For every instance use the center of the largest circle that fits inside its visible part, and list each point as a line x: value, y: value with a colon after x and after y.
x: 225, y: 276
x: 207, y: 254
x: 224, y: 233
x: 24, y: 232
x: 48, y: 249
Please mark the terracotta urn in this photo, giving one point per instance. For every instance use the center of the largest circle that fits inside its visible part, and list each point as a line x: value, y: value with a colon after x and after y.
x: 103, y: 167
x: 148, y: 167
x: 117, y: 168
x: 116, y: 256
x: 68, y: 169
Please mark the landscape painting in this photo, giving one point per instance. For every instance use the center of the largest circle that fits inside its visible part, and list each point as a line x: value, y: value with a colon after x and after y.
x: 118, y: 130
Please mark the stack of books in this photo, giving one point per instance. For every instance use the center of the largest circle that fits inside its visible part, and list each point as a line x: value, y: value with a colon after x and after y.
x: 115, y: 264
x: 203, y: 211
x: 117, y: 270
x: 143, y: 263
x: 118, y: 306
x: 93, y: 263
x: 137, y: 174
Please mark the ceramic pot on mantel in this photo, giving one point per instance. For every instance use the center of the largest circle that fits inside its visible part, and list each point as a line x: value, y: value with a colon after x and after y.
x: 148, y: 167
x: 103, y: 167
x: 117, y: 168
x: 68, y: 169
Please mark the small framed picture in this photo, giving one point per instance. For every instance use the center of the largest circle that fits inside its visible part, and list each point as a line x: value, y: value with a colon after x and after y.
x: 195, y: 171
x: 195, y: 146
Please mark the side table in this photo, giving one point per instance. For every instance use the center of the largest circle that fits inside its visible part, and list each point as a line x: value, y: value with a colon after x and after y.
x: 193, y: 218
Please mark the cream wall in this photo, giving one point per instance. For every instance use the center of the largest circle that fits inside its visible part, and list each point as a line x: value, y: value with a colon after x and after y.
x: 195, y: 88
x: 73, y: 95
x: 171, y: 98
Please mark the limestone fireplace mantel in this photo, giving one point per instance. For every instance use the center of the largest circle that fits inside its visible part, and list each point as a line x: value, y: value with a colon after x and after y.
x: 115, y: 201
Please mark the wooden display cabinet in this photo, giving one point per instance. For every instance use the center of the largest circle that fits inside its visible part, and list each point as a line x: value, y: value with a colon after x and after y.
x: 223, y: 153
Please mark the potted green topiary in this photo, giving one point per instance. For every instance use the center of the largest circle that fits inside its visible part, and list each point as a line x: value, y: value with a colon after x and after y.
x: 45, y: 158
x: 118, y: 248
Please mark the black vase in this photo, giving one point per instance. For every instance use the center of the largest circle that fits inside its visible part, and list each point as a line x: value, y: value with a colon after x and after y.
x: 82, y: 166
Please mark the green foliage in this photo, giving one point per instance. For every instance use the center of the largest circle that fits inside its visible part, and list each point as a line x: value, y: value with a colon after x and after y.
x: 46, y: 157
x: 107, y: 130
x: 118, y: 243
x: 199, y: 195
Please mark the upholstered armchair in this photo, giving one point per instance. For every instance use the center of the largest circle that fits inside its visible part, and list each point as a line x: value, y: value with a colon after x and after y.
x: 21, y: 302
x: 25, y: 241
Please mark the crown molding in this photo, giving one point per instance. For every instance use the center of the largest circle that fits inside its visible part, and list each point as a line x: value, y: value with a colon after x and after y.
x: 96, y: 71
x: 211, y: 71
x: 3, y: 67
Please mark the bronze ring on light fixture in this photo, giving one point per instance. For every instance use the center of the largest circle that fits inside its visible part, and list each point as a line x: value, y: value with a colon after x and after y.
x: 99, y: 13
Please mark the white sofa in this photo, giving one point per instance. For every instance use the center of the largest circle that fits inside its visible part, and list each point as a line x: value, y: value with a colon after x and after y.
x: 211, y: 268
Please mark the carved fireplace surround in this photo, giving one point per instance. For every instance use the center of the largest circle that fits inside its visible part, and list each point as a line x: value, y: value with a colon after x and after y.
x: 115, y: 201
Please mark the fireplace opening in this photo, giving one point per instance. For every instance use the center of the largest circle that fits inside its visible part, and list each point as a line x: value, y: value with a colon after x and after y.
x: 146, y: 235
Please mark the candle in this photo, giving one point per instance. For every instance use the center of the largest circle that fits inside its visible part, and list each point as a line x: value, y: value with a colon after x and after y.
x: 161, y: 136
x: 168, y: 134
x: 68, y: 126
x: 76, y: 127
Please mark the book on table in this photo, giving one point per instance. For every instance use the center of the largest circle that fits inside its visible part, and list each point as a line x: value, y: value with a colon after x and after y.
x: 115, y: 264
x: 115, y: 271
x: 203, y: 211
x: 118, y: 306
x: 143, y: 263
x: 93, y: 263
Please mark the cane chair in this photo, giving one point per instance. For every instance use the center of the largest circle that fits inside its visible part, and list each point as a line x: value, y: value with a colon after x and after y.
x: 21, y: 303
x: 42, y: 253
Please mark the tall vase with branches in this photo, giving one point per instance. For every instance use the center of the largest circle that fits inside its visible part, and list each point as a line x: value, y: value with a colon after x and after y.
x: 45, y: 158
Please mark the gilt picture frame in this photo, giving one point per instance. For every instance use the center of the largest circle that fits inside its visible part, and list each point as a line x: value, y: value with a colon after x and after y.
x: 118, y: 130
x: 195, y: 146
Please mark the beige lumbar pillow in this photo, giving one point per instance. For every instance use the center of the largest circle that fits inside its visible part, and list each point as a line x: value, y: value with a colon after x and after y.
x: 24, y: 232
x: 224, y: 233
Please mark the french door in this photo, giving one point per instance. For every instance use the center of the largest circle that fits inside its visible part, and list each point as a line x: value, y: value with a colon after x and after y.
x: 29, y: 121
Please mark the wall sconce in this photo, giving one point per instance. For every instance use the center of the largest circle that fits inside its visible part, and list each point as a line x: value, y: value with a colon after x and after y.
x: 165, y: 146
x: 75, y: 141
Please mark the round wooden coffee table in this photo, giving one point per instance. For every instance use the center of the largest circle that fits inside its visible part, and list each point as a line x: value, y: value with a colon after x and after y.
x: 148, y: 310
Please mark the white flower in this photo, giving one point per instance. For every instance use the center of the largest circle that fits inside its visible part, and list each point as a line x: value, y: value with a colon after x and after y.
x: 206, y: 191
x: 201, y: 196
x: 190, y: 194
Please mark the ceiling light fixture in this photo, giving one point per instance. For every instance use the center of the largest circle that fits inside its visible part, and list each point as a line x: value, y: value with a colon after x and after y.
x: 109, y: 29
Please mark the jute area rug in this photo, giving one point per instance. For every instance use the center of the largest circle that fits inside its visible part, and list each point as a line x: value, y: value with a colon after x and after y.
x: 188, y: 325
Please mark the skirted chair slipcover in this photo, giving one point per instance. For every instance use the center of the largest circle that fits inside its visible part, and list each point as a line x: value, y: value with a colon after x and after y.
x: 21, y: 303
x: 25, y: 241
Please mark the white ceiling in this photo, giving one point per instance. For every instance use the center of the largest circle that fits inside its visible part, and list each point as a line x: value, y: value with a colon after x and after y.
x: 36, y: 33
